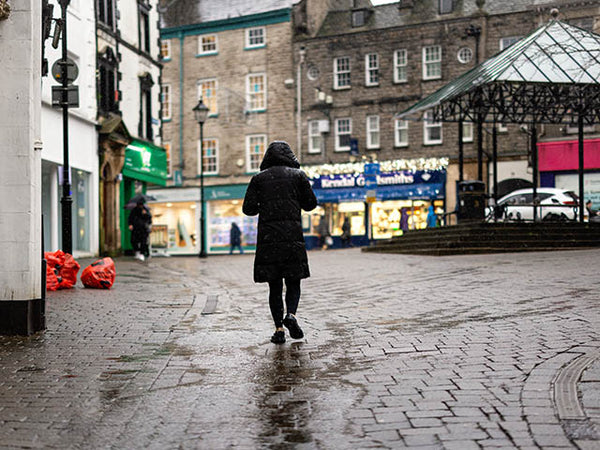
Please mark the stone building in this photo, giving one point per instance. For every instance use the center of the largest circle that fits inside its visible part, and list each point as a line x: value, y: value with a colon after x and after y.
x: 235, y: 56
x: 128, y: 91
x: 361, y: 64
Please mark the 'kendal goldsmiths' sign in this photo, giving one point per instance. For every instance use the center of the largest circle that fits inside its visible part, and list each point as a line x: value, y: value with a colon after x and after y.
x: 405, y: 177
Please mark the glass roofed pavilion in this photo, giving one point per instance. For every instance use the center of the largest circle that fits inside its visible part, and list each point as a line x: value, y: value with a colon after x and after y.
x: 551, y: 76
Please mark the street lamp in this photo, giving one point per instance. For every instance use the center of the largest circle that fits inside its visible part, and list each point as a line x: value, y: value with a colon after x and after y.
x: 201, y: 114
x: 66, y: 200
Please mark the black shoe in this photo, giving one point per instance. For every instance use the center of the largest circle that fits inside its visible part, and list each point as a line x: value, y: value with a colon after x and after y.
x: 291, y: 324
x: 278, y: 337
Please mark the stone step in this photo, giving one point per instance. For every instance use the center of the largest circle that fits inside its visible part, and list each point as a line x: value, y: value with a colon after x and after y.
x: 493, y: 238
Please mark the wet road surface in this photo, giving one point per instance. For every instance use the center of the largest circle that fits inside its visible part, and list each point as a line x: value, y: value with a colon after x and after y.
x: 400, y: 351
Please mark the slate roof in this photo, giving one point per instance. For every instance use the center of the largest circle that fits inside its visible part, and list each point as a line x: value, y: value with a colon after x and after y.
x: 423, y: 11
x: 175, y: 13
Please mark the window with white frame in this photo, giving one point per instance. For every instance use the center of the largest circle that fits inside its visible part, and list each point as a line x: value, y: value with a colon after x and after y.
x: 256, y: 37
x: 256, y: 91
x: 401, y: 133
x: 432, y: 131
x: 400, y: 66
x: 255, y: 149
x: 315, y: 139
x: 506, y: 42
x: 144, y: 27
x: 372, y: 69
x: 467, y: 134
x: 343, y: 131
x: 372, y: 132
x: 432, y: 62
x: 207, y: 44
x: 341, y: 73
x: 207, y: 91
x: 165, y: 49
x: 464, y: 55
x: 167, y: 147
x: 165, y: 101
x: 210, y: 157
x: 106, y: 12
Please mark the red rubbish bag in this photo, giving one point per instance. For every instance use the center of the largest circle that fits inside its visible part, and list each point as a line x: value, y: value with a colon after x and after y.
x: 68, y: 272
x: 51, y: 278
x: 61, y: 270
x: 100, y: 274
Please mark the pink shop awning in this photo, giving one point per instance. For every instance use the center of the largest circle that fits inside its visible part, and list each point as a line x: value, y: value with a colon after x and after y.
x: 563, y: 155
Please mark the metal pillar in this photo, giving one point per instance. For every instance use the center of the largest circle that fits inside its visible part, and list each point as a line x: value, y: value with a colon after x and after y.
x: 66, y: 200
x: 461, y: 156
x: 202, y: 253
x: 581, y: 166
x: 479, y: 147
x: 495, y: 161
x: 534, y: 163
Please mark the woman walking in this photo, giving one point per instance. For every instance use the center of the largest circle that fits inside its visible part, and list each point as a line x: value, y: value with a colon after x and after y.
x: 277, y: 194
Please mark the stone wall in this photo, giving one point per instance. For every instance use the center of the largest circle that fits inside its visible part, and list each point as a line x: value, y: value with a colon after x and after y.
x: 229, y: 67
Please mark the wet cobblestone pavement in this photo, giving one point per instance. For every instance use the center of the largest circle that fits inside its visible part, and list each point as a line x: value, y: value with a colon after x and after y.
x: 460, y: 352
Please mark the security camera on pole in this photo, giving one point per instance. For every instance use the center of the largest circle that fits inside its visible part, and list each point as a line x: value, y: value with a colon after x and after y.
x: 65, y: 96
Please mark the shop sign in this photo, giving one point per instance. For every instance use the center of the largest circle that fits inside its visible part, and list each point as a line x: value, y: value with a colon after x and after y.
x: 146, y: 162
x: 405, y: 177
x: 371, y: 196
x: 371, y: 169
x: 236, y: 191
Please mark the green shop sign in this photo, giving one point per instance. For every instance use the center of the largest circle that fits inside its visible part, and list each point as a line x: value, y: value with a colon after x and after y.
x: 232, y: 191
x: 146, y: 162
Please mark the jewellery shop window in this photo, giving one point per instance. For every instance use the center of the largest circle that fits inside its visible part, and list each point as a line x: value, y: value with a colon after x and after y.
x: 355, y: 212
x: 311, y: 220
x: 173, y: 227
x: 221, y: 214
x: 386, y: 216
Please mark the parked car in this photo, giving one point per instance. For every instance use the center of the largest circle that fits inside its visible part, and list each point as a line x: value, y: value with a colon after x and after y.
x: 554, y: 204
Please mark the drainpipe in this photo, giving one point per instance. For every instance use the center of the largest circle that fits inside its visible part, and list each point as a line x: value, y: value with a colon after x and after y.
x: 302, y: 54
x: 181, y: 165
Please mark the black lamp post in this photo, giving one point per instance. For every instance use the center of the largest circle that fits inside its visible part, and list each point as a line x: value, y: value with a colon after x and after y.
x: 201, y: 114
x: 66, y: 200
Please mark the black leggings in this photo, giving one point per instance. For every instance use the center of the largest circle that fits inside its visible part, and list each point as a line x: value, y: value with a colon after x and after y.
x: 292, y: 297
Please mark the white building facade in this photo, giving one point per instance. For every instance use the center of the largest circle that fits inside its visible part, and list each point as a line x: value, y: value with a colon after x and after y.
x: 128, y: 82
x: 21, y: 300
x: 83, y: 142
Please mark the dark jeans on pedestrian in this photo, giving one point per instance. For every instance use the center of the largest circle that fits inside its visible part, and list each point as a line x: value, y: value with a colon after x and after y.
x: 139, y: 242
x: 238, y: 246
x: 292, y: 297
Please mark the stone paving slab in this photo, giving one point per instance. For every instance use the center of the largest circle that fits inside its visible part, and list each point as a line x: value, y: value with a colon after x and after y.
x: 454, y: 352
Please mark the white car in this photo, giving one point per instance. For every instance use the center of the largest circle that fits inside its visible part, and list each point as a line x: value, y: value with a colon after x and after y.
x: 554, y: 204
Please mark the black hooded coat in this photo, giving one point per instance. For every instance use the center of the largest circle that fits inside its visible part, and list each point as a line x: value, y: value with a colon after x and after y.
x: 277, y: 194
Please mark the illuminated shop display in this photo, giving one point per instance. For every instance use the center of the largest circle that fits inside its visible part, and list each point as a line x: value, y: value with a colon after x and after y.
x: 221, y: 214
x: 373, y: 202
x: 174, y: 227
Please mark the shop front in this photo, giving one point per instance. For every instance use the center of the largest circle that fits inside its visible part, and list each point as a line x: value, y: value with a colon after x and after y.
x: 144, y: 163
x: 176, y: 220
x: 559, y: 163
x: 373, y: 209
